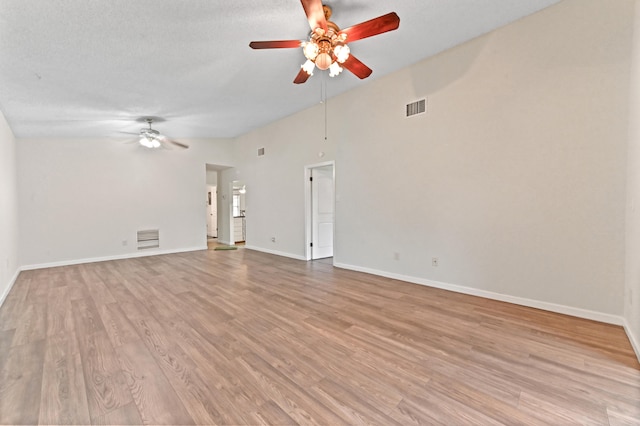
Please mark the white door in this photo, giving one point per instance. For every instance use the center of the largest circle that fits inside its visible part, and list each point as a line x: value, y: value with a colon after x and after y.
x: 322, y: 212
x: 212, y: 210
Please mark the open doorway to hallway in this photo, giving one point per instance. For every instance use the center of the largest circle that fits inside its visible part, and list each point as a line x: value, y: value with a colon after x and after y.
x: 216, y: 214
x: 225, y: 207
x: 232, y: 202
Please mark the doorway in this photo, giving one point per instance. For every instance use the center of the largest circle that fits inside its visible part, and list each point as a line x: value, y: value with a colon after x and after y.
x: 212, y: 212
x: 320, y: 207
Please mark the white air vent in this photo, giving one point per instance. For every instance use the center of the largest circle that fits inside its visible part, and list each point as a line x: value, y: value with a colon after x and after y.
x: 260, y: 152
x: 417, y: 107
x: 148, y: 239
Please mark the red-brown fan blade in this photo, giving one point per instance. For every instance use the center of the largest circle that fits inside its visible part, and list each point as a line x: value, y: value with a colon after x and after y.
x: 301, y: 77
x: 354, y: 65
x: 315, y: 14
x: 375, y: 26
x: 276, y: 44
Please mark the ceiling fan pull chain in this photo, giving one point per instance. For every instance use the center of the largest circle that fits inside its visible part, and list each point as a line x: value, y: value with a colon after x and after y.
x: 323, y: 95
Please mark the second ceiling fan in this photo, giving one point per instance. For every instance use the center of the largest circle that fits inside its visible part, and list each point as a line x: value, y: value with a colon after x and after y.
x: 151, y: 138
x: 327, y: 45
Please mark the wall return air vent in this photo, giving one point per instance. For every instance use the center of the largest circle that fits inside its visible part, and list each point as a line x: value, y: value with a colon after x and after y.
x: 148, y: 239
x: 417, y: 107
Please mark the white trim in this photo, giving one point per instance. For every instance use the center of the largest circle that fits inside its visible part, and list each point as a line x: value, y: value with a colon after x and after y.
x: 227, y: 243
x: 9, y: 287
x: 108, y: 258
x: 277, y: 253
x: 635, y: 344
x: 552, y: 307
x: 307, y: 204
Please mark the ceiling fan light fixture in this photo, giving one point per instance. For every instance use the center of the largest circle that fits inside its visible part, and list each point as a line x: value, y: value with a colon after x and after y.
x: 149, y: 142
x: 151, y: 138
x: 308, y: 67
x: 342, y: 52
x: 334, y: 69
x: 323, y: 61
x: 310, y: 50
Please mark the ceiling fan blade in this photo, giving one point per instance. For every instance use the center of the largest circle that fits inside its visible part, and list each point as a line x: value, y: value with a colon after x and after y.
x: 375, y: 26
x: 301, y: 77
x: 180, y: 144
x: 354, y: 65
x: 315, y: 14
x: 275, y: 44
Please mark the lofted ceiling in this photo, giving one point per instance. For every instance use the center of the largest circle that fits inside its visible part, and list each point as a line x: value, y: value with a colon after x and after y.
x: 92, y: 68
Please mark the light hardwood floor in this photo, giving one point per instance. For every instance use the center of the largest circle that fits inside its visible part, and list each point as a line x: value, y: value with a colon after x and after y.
x: 241, y: 337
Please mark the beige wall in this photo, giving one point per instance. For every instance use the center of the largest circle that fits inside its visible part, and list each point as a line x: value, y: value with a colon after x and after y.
x: 515, y: 179
x: 275, y: 182
x: 85, y: 200
x: 632, y: 282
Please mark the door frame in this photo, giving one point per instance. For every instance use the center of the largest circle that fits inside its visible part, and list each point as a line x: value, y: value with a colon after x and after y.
x: 308, y: 232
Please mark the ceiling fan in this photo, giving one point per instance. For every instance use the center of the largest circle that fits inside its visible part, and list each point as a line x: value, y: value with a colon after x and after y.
x: 151, y: 138
x: 327, y: 45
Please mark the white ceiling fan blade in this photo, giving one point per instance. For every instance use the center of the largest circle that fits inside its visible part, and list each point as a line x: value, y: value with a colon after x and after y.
x: 180, y: 144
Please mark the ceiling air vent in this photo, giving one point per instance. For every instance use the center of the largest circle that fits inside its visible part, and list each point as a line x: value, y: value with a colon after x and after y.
x: 260, y: 152
x: 148, y: 239
x: 417, y: 107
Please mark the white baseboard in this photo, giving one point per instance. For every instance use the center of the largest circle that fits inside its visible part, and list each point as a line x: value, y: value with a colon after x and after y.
x: 277, y: 253
x: 546, y: 306
x: 632, y: 338
x: 145, y: 253
x: 12, y: 281
x: 227, y: 243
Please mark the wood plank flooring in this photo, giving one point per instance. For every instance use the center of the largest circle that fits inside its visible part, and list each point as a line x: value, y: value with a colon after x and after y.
x: 242, y: 337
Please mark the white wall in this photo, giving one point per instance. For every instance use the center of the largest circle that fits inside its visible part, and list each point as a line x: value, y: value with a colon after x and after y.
x: 632, y: 281
x: 9, y: 266
x: 80, y: 199
x: 515, y: 179
x: 212, y: 177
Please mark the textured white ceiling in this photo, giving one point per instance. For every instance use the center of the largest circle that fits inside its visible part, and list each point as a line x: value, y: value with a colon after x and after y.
x: 91, y: 68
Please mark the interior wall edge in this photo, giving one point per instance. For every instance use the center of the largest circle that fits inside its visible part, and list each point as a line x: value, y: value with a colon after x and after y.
x: 531, y: 303
x: 12, y: 281
x: 635, y: 344
x: 108, y: 258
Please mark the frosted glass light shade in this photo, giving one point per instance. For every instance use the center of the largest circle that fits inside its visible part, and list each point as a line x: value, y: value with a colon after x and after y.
x: 323, y: 61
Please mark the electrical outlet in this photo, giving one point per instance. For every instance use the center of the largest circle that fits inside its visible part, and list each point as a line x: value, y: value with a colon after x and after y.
x: 434, y: 261
x: 273, y: 239
x: 396, y: 255
x: 125, y: 242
